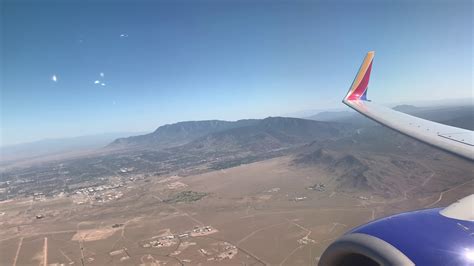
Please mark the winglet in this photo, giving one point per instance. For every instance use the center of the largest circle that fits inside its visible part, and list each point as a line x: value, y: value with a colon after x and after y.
x: 358, y: 90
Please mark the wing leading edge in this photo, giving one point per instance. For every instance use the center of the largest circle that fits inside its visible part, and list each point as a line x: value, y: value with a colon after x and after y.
x: 456, y: 140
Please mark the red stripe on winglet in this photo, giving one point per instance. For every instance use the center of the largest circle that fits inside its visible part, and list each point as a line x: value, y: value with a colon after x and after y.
x: 359, y: 91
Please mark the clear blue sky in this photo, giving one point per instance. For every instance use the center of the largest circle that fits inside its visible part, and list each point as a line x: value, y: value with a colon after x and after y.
x: 193, y: 60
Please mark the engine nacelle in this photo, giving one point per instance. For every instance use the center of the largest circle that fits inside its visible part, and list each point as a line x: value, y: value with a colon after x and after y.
x: 425, y: 237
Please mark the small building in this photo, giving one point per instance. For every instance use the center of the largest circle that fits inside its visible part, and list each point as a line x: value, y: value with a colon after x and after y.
x: 183, y: 235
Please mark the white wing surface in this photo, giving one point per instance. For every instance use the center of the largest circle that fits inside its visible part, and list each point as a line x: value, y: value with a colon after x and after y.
x: 456, y: 140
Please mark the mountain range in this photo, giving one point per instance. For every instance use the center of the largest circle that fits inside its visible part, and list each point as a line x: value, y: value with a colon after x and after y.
x: 358, y: 154
x: 251, y: 135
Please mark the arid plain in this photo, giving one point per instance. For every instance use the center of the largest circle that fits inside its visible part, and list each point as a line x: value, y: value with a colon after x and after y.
x: 260, y: 213
x: 262, y: 194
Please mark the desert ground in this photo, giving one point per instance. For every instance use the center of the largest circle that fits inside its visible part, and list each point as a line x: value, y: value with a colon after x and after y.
x: 252, y: 214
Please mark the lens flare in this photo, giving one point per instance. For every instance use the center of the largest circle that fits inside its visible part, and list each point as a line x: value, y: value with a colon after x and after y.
x: 469, y: 254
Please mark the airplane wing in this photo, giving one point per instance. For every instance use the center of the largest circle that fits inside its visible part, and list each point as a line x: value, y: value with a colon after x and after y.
x: 456, y: 140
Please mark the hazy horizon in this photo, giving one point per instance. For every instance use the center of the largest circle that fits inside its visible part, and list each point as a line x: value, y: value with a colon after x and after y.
x: 82, y: 68
x: 297, y: 114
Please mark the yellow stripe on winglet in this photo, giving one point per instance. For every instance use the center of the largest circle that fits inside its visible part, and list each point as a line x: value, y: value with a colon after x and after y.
x: 363, y: 68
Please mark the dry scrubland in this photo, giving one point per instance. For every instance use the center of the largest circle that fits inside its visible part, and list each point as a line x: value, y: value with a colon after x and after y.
x: 274, y: 191
x: 259, y: 213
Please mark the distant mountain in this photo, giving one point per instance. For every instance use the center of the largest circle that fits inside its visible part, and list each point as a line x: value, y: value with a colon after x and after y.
x: 331, y: 116
x: 305, y: 114
x: 356, y: 118
x: 268, y: 134
x: 405, y: 108
x: 177, y: 134
x: 275, y: 131
x: 56, y: 146
x: 466, y: 122
x: 244, y: 135
x: 459, y: 116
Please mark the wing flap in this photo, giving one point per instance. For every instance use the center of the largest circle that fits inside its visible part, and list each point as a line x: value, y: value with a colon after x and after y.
x: 461, y: 137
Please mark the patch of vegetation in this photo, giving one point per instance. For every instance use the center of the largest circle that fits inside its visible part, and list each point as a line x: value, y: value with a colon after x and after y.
x: 235, y: 162
x: 186, y: 196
